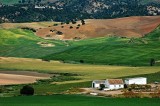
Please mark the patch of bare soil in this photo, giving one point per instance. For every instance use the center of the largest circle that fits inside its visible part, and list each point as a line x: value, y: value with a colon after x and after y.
x: 21, y: 77
x: 127, y: 27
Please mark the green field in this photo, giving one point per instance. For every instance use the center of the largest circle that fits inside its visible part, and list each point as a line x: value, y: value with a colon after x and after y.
x: 76, y: 100
x: 103, y: 50
x: 86, y: 73
x: 105, y: 57
x: 24, y: 43
x: 113, y: 50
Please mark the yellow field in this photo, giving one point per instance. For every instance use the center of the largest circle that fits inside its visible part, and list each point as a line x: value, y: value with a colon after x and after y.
x: 35, y: 25
x: 87, y: 72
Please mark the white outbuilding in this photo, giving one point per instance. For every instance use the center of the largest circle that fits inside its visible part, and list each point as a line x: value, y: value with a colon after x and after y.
x: 110, y: 84
x: 138, y: 80
x: 97, y: 83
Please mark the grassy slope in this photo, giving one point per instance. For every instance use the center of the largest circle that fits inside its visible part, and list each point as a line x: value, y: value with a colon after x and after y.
x: 72, y: 100
x: 23, y: 43
x: 104, y: 50
x: 114, y: 50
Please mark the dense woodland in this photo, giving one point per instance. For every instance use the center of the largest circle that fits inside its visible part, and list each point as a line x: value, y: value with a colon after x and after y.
x: 67, y: 10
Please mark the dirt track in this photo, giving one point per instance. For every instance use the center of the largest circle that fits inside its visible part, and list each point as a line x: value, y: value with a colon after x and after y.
x: 20, y: 77
x: 128, y: 27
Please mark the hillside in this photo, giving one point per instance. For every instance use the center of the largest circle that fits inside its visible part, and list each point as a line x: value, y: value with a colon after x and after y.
x: 113, y: 51
x: 23, y: 43
x: 126, y: 27
x: 68, y: 10
x: 52, y: 1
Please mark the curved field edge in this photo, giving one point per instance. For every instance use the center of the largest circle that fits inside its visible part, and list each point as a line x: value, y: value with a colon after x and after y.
x: 113, y: 50
x: 78, y: 100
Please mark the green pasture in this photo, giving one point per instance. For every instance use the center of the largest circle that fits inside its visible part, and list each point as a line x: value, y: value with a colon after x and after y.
x: 76, y: 100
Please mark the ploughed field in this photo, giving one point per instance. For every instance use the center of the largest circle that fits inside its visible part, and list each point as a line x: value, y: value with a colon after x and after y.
x: 126, y: 27
x: 76, y: 100
x: 21, y: 77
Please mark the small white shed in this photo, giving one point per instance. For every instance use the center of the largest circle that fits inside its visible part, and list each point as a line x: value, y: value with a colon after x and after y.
x: 97, y: 83
x: 138, y: 80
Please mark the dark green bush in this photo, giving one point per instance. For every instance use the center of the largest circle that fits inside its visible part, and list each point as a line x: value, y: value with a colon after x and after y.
x: 27, y: 90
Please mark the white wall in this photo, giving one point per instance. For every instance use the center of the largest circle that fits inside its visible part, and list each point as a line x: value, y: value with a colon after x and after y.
x: 95, y: 85
x: 139, y: 81
x: 112, y: 87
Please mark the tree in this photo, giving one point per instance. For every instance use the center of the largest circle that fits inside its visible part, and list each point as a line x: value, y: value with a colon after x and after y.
x: 78, y: 25
x: 125, y: 86
x: 73, y: 22
x: 102, y: 86
x: 70, y: 27
x: 81, y: 61
x: 59, y: 33
x: 152, y: 62
x: 27, y: 90
x: 83, y: 22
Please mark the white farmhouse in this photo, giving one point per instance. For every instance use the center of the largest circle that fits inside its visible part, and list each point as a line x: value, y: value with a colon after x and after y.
x: 138, y: 80
x: 110, y: 84
x: 113, y: 84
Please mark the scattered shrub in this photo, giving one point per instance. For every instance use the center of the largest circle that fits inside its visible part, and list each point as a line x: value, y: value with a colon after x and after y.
x: 74, y: 22
x: 55, y: 24
x: 1, y: 89
x: 48, y: 35
x: 152, y: 62
x: 81, y: 61
x: 130, y: 94
x: 62, y: 23
x: 70, y: 27
x: 46, y: 60
x: 27, y: 90
x: 27, y: 28
x: 83, y: 22
x: 59, y: 33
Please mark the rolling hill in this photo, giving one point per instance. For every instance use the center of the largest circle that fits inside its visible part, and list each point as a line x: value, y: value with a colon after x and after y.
x: 113, y: 51
x: 126, y: 27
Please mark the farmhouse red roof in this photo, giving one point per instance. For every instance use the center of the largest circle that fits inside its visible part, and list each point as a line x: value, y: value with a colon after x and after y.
x: 115, y: 81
